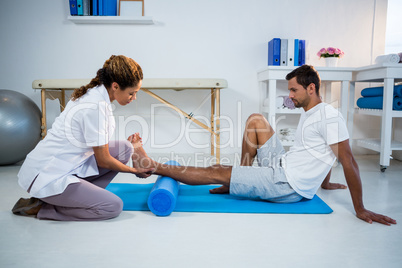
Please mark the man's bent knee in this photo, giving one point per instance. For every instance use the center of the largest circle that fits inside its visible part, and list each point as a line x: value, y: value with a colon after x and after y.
x: 257, y: 120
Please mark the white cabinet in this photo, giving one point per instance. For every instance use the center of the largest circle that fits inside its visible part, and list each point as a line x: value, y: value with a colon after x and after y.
x: 389, y: 74
x: 269, y: 77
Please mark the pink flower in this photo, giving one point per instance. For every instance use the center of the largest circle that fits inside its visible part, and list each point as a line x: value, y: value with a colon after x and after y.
x: 331, y: 50
x: 339, y: 52
x: 322, y: 51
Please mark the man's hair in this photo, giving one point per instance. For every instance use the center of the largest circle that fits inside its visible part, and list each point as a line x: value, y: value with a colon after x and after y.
x: 305, y: 75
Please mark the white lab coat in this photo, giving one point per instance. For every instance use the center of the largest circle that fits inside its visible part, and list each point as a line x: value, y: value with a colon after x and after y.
x: 66, y: 150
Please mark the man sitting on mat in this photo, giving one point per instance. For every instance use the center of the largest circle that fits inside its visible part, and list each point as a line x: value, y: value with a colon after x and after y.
x: 281, y: 176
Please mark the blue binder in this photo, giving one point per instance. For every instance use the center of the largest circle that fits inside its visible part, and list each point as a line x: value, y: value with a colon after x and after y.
x: 109, y: 8
x: 296, y: 56
x: 95, y: 10
x: 73, y: 7
x: 302, y: 52
x: 80, y: 10
x: 274, y: 52
x: 100, y: 7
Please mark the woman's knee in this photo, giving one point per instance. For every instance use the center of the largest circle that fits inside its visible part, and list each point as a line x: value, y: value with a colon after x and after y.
x: 112, y: 208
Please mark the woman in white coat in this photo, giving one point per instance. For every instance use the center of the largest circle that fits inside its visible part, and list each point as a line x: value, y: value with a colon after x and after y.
x: 68, y: 171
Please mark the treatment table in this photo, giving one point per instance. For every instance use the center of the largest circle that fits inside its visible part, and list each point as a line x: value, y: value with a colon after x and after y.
x: 55, y: 89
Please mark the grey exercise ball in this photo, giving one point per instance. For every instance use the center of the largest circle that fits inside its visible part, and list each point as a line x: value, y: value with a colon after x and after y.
x: 20, y: 126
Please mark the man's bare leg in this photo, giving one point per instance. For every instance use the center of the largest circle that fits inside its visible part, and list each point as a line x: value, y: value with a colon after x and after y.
x: 216, y: 174
x: 257, y: 132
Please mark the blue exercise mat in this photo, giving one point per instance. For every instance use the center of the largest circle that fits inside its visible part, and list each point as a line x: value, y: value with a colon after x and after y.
x: 198, y: 199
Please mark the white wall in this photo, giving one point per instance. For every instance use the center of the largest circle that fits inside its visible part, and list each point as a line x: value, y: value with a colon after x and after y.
x: 210, y: 38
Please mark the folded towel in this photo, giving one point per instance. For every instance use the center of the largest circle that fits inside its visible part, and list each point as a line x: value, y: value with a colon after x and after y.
x: 390, y: 58
x: 376, y: 103
x: 379, y: 91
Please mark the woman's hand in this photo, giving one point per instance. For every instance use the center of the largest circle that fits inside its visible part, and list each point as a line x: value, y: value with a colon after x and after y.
x: 143, y: 172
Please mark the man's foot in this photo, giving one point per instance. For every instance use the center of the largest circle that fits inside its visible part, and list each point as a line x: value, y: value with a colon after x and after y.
x: 27, y: 206
x: 135, y: 140
x: 140, y: 158
x: 220, y: 190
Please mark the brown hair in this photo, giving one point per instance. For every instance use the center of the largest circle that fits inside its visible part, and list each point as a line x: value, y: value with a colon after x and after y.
x: 120, y: 69
x: 305, y: 75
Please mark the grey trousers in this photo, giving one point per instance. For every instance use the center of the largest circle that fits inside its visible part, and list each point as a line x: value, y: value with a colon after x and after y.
x: 88, y: 200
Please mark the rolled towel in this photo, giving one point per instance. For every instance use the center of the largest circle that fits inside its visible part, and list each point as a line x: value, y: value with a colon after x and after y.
x: 379, y: 91
x: 372, y: 92
x: 279, y: 102
x: 397, y: 103
x: 287, y: 102
x: 163, y: 196
x: 376, y: 103
x: 398, y: 91
x: 389, y: 58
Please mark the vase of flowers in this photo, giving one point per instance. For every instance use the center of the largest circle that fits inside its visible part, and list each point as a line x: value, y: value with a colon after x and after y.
x: 331, y: 55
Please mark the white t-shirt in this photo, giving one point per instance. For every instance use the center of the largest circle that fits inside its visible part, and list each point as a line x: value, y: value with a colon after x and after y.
x: 308, y: 162
x: 66, y: 150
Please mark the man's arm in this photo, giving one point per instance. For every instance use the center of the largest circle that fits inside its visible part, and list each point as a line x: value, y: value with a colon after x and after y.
x: 344, y: 154
x: 327, y: 185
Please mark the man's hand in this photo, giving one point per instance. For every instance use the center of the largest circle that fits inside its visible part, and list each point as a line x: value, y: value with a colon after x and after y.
x: 220, y: 190
x: 333, y: 186
x: 351, y: 170
x: 369, y: 216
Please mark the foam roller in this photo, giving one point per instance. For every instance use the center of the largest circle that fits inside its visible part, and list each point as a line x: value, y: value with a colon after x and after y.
x: 163, y: 196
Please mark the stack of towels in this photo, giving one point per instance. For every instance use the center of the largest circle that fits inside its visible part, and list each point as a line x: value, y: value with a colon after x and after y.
x: 373, y: 98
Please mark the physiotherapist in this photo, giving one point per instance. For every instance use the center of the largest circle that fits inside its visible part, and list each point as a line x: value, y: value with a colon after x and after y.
x: 67, y: 172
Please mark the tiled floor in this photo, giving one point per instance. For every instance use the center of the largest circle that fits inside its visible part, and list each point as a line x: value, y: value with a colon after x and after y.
x: 140, y: 239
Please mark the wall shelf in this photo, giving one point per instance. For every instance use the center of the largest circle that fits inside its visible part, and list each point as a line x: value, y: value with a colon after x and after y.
x: 265, y: 109
x: 110, y: 20
x: 375, y: 144
x: 377, y: 112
